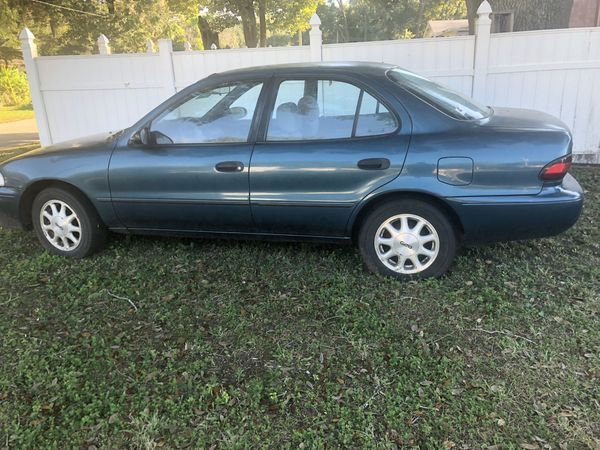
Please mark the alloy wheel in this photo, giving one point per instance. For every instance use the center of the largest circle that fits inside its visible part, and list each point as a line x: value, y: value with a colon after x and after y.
x: 60, y: 225
x: 407, y: 243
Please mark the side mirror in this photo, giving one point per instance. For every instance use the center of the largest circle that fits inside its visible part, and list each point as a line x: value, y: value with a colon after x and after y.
x: 144, y: 136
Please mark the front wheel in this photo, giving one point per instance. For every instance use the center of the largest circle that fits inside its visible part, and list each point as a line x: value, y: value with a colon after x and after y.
x: 408, y: 239
x: 66, y: 224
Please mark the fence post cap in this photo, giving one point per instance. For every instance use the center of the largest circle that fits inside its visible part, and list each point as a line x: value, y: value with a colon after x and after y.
x: 315, y: 21
x: 484, y: 8
x: 102, y: 39
x: 26, y: 34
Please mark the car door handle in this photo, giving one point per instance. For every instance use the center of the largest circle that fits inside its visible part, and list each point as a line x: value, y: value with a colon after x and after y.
x: 230, y: 166
x: 374, y: 164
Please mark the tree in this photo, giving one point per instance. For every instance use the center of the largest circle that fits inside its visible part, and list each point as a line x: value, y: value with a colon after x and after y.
x: 277, y: 16
x: 360, y: 20
x: 472, y: 6
x: 212, y: 21
x: 71, y: 26
x: 9, y: 43
x: 528, y: 14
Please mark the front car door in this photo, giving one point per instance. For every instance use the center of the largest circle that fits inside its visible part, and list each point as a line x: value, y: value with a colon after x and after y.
x: 192, y: 174
x: 327, y: 144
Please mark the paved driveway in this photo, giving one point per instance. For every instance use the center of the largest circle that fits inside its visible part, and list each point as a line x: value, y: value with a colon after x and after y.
x: 18, y: 134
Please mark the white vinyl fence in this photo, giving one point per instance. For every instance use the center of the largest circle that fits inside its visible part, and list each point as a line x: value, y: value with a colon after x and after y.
x: 556, y: 71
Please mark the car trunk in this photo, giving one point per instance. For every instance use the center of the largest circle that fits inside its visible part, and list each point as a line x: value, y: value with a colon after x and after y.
x: 524, y: 142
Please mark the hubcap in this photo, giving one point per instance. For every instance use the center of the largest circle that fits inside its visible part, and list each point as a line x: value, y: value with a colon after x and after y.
x: 407, y: 243
x: 60, y: 225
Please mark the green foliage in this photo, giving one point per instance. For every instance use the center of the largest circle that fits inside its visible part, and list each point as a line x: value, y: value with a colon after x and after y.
x: 9, y: 31
x: 128, y: 24
x: 290, y: 16
x: 14, y: 89
x: 280, y: 16
x: 370, y: 20
x: 278, y: 345
x: 72, y: 26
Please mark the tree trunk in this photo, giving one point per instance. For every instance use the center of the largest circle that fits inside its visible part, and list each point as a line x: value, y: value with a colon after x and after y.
x: 345, y: 30
x: 472, y: 6
x: 209, y: 37
x: 262, y: 13
x: 420, y: 26
x: 110, y: 4
x: 249, y: 23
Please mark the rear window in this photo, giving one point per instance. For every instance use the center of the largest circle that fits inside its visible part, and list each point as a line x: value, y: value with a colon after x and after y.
x: 450, y: 102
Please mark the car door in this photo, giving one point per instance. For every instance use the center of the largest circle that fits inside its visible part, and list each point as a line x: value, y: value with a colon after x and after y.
x: 327, y: 144
x: 192, y: 173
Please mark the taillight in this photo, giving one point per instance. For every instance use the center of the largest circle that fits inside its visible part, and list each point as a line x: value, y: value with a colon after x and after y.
x: 557, y: 169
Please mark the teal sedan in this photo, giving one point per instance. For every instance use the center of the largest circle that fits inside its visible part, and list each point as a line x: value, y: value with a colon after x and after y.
x: 404, y: 168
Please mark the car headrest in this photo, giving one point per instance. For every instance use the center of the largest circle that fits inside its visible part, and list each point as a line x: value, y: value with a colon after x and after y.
x: 308, y: 106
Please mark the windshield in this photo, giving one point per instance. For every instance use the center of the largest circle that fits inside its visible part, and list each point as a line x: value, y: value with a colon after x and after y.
x: 446, y: 100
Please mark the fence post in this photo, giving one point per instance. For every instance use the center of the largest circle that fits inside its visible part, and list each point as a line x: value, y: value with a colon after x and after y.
x: 482, y: 50
x: 29, y: 50
x: 103, y: 47
x: 149, y: 46
x: 165, y: 51
x: 316, y: 39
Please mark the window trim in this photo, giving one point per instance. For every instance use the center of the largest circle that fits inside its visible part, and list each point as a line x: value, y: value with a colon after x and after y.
x: 254, y: 123
x: 272, y: 98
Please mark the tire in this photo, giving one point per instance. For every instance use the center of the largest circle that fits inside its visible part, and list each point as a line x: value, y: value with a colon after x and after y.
x: 66, y: 224
x: 393, y: 254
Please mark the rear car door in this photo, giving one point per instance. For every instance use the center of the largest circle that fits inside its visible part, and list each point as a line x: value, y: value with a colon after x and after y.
x: 193, y: 176
x: 327, y: 143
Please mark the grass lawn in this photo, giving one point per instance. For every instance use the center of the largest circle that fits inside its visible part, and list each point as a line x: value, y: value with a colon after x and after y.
x: 14, y: 113
x: 250, y: 344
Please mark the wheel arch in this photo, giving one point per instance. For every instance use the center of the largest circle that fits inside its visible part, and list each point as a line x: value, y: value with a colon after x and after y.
x: 33, y: 189
x: 372, y: 203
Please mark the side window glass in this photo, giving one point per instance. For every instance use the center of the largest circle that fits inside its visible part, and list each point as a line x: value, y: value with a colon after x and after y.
x: 218, y: 115
x: 374, y: 118
x: 313, y: 109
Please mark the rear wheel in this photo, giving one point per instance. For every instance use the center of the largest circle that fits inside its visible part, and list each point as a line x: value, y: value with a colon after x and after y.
x: 408, y: 239
x: 66, y: 224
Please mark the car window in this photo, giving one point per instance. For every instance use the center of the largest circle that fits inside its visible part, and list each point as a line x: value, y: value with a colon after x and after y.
x: 313, y: 109
x: 445, y: 99
x: 374, y: 118
x: 217, y: 115
x: 326, y: 109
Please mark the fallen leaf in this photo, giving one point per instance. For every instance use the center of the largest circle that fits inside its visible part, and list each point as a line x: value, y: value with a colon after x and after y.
x: 529, y: 446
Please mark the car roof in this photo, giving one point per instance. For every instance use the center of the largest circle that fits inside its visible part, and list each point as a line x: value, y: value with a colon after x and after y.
x: 349, y: 67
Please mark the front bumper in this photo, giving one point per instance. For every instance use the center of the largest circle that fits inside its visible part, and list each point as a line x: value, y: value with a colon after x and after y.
x: 505, y: 218
x: 9, y: 208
